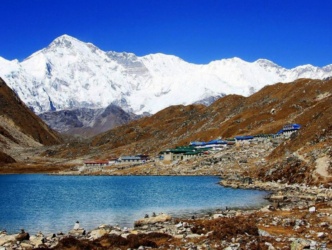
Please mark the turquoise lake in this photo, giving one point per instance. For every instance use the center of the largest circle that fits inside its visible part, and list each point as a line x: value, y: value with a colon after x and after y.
x: 51, y: 203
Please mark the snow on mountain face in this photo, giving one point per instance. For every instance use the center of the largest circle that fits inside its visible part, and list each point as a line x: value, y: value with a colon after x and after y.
x: 72, y: 74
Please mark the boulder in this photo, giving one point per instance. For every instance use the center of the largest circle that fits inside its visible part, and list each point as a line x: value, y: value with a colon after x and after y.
x: 153, y: 220
x: 263, y: 233
x: 320, y: 234
x: 7, y: 239
x: 270, y: 246
x: 234, y: 246
x: 192, y: 236
x: 37, y: 240
x: 26, y: 245
x: 116, y: 232
x: 216, y: 216
x: 300, y: 244
x: 22, y: 236
x: 97, y: 233
x: 266, y: 209
x: 277, y: 197
x: 77, y: 232
x: 312, y: 209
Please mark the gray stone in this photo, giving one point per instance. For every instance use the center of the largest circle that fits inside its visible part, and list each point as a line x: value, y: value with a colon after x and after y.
x: 26, y: 245
x: 7, y: 239
x: 263, y: 233
x: 77, y: 232
x: 153, y: 220
x: 300, y: 244
x: 97, y: 233
x: 191, y: 236
x: 320, y: 234
x: 324, y: 224
x: 116, y: 232
x: 37, y: 240
x: 312, y: 209
x: 270, y: 246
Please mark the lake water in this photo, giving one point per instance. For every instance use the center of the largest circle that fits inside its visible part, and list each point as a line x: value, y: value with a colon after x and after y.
x: 50, y: 203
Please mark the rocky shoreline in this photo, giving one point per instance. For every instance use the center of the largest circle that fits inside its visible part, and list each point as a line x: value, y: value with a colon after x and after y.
x: 286, y: 193
x: 298, y: 217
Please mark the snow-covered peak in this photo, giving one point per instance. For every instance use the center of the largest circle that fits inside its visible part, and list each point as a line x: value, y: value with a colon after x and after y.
x: 163, y: 57
x: 66, y: 41
x: 266, y: 63
x: 228, y: 61
x: 7, y: 66
x: 327, y: 68
x: 70, y: 74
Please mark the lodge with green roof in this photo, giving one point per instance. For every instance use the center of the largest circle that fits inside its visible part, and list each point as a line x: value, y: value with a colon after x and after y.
x: 182, y: 153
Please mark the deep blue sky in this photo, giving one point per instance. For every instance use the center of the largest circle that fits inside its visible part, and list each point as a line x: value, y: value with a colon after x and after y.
x: 288, y: 32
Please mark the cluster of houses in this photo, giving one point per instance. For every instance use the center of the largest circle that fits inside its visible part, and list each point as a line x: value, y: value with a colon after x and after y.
x: 198, y: 148
x: 194, y: 149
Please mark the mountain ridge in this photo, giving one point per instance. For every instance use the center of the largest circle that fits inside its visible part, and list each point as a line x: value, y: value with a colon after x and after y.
x: 70, y: 74
x: 87, y: 122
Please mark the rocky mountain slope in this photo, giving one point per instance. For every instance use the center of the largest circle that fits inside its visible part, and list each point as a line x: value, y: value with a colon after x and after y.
x: 19, y: 127
x: 87, y: 122
x: 305, y: 158
x: 70, y: 74
x: 305, y: 101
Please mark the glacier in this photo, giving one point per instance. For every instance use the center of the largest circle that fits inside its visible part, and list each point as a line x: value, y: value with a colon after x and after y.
x: 70, y: 74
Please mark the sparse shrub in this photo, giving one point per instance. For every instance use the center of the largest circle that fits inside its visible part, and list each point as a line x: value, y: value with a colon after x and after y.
x: 74, y: 244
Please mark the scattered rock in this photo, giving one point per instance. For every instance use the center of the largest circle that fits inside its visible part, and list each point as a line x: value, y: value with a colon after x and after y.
x: 77, y: 232
x: 22, y: 236
x: 97, y: 233
x: 312, y: 209
x: 300, y: 244
x: 153, y: 220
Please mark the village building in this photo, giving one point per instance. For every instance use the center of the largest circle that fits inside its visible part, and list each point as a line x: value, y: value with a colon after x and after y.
x: 289, y: 129
x: 113, y: 161
x: 96, y: 163
x: 182, y: 153
x: 134, y: 159
x: 243, y: 140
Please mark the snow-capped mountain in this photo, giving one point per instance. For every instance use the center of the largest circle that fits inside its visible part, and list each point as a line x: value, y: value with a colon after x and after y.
x: 72, y: 74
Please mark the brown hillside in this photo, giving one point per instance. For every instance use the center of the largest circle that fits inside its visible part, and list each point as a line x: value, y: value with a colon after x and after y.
x: 5, y: 159
x: 29, y: 123
x: 305, y: 101
x: 19, y: 126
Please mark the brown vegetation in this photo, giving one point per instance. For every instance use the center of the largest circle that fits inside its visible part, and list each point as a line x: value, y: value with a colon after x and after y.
x: 113, y: 241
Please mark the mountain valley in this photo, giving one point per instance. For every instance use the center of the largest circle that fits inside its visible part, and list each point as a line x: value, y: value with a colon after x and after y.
x: 304, y: 101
